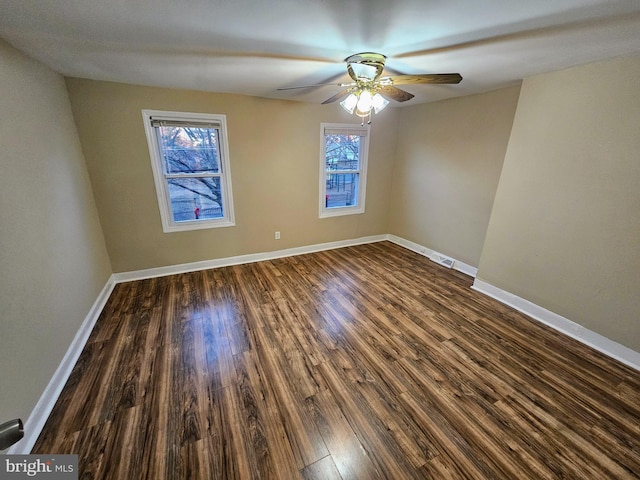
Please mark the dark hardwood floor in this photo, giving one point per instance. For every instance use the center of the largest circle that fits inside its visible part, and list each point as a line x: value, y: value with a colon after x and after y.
x: 366, y: 362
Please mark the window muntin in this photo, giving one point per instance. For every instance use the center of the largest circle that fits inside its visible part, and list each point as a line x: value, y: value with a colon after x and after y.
x: 343, y: 162
x: 190, y: 161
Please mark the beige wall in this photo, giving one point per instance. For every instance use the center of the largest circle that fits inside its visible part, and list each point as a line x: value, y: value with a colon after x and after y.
x: 448, y: 163
x: 565, y: 228
x: 53, y: 260
x: 274, y: 152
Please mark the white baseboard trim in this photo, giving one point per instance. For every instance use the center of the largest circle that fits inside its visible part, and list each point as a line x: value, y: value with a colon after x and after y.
x: 40, y: 413
x: 574, y: 330
x: 427, y: 252
x: 240, y: 259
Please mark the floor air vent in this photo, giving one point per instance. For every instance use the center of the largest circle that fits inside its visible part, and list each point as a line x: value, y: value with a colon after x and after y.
x: 442, y: 260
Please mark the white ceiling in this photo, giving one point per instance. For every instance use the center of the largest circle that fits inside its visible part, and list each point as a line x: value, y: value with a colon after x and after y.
x: 254, y: 47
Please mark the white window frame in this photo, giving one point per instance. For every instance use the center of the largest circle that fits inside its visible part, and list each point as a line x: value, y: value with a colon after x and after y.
x: 344, y: 129
x: 160, y: 177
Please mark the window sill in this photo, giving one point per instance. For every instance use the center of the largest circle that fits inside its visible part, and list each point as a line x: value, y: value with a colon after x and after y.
x: 340, y: 211
x: 188, y: 226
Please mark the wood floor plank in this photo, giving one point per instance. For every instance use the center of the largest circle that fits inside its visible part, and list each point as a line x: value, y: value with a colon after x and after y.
x: 306, y: 442
x: 323, y: 469
x: 363, y: 362
x: 347, y: 453
x: 275, y: 458
x: 239, y: 459
x: 384, y: 452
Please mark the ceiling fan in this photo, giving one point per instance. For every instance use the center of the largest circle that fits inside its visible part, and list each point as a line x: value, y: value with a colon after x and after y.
x: 370, y: 92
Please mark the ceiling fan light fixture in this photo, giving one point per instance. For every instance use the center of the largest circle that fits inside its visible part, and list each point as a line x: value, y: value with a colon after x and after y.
x: 349, y: 103
x: 379, y: 103
x: 365, y: 102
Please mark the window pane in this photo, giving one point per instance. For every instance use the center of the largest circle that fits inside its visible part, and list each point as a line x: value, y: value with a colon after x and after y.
x: 190, y: 149
x: 342, y: 190
x: 342, y: 152
x: 195, y: 198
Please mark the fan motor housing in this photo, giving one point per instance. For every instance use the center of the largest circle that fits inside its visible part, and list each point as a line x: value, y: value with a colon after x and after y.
x: 366, y: 66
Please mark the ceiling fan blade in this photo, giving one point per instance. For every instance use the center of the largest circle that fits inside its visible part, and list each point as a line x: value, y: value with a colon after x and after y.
x: 337, y: 96
x: 314, y: 85
x: 423, y: 78
x: 394, y: 93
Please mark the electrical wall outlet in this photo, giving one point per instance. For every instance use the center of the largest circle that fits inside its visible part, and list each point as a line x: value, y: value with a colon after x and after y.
x: 277, y: 235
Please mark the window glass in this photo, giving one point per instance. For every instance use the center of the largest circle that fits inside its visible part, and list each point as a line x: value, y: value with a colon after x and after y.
x: 343, y: 169
x: 191, y: 168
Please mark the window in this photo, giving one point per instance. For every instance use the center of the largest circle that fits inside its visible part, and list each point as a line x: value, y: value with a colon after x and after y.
x: 343, y: 168
x: 190, y: 160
